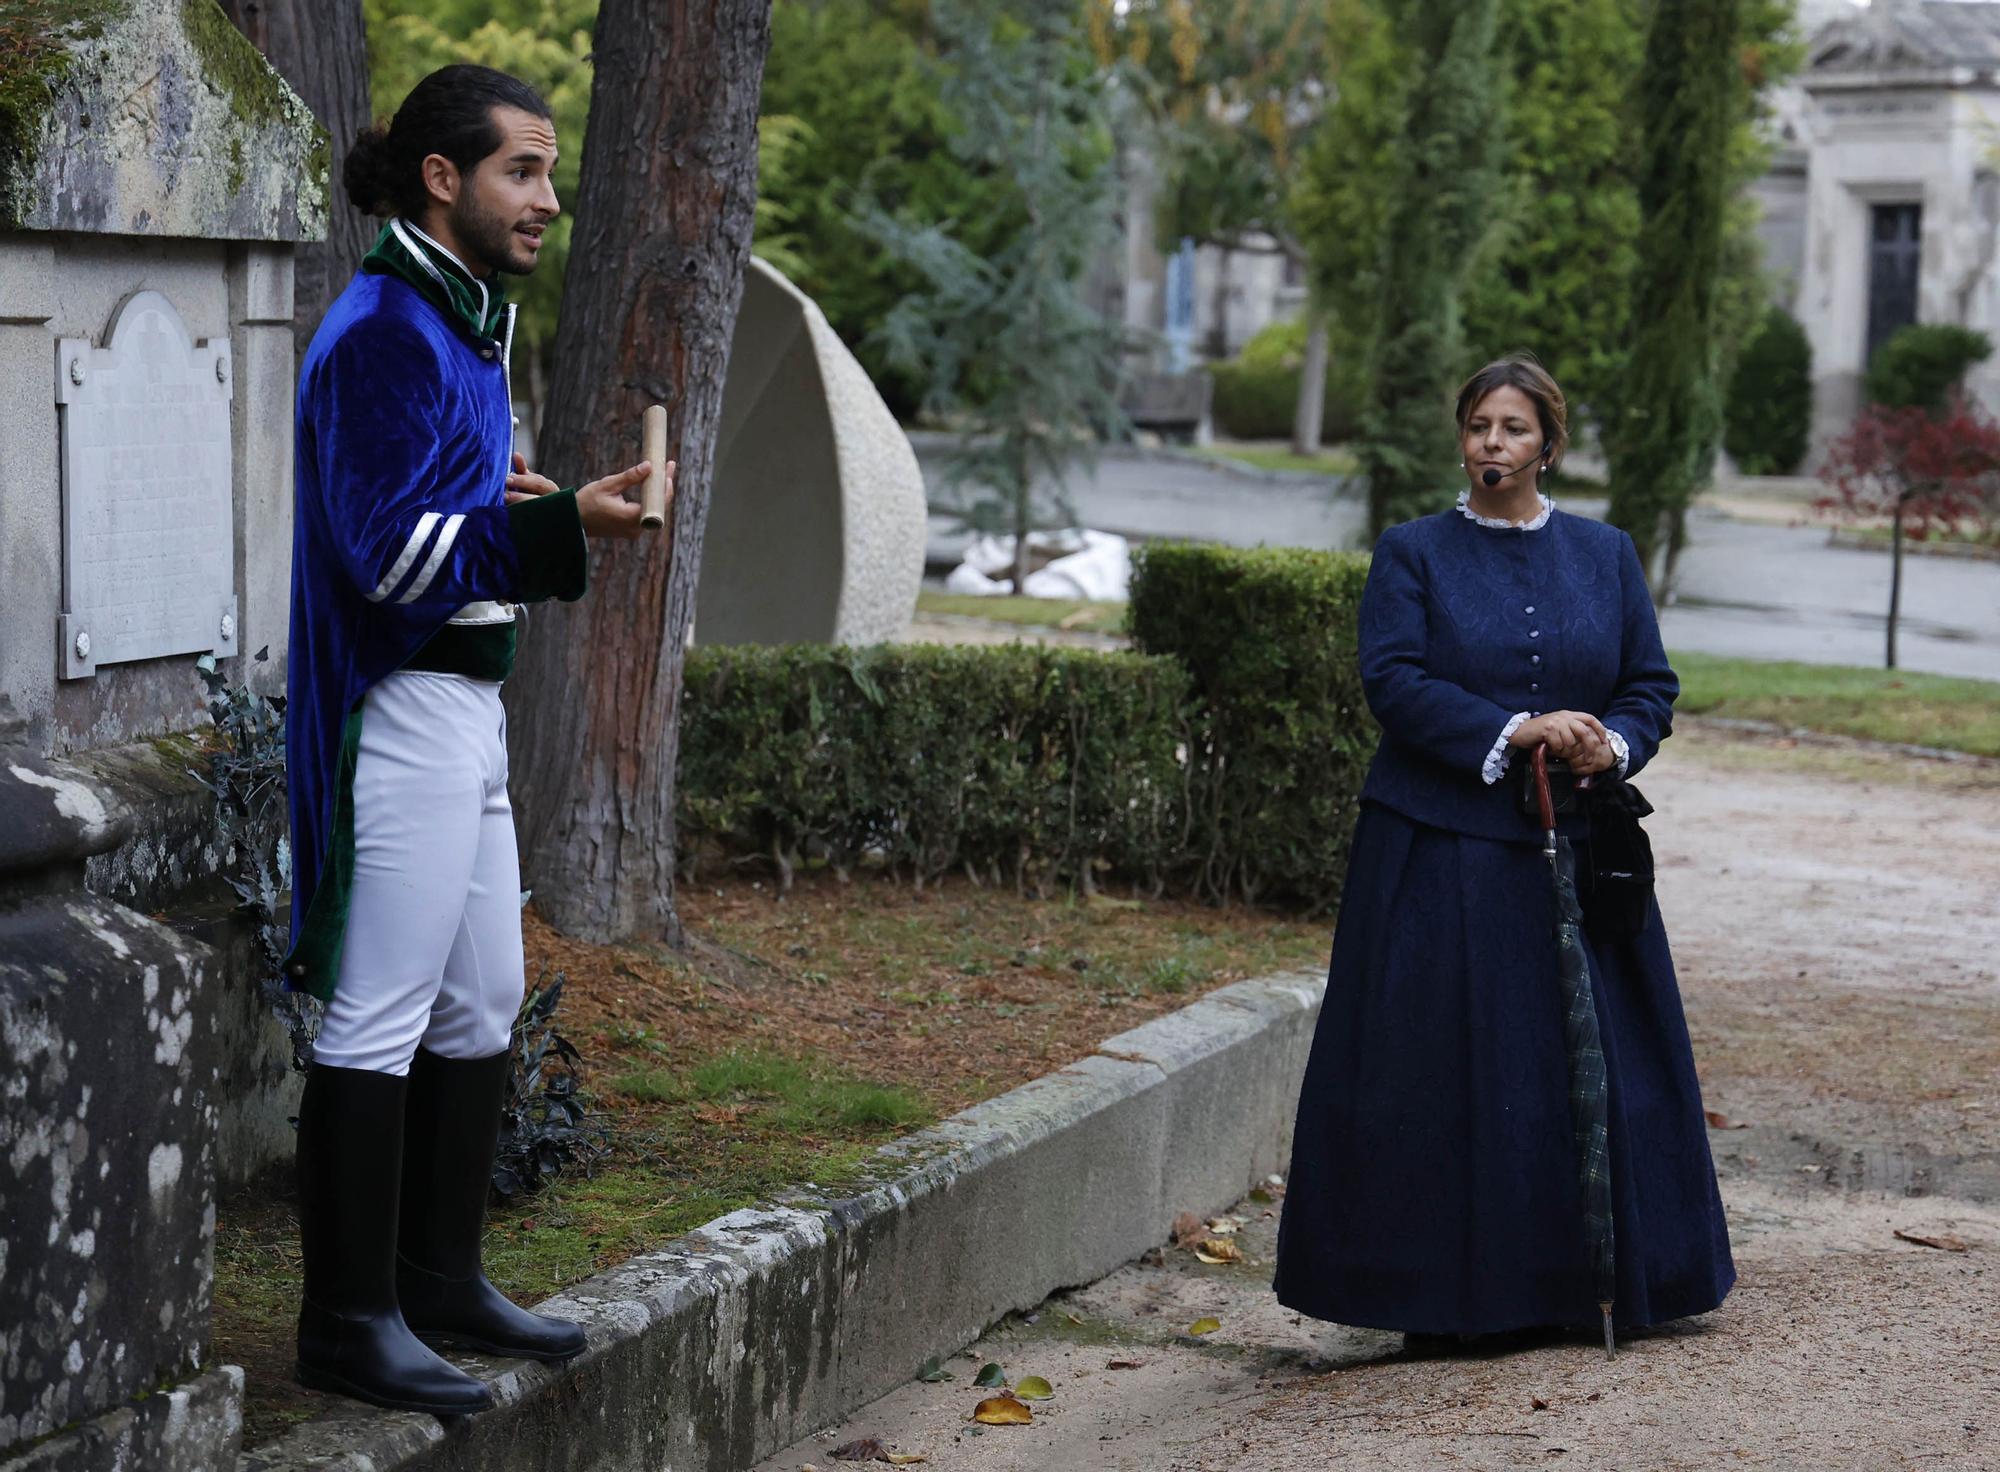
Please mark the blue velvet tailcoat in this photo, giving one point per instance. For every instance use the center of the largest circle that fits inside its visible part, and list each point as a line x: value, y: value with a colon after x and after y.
x: 1433, y: 1185
x: 404, y: 435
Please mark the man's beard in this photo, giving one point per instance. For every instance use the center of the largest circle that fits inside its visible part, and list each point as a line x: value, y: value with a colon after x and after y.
x: 489, y: 238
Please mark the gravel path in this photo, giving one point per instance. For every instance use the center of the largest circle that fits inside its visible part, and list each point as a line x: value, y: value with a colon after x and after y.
x: 1839, y: 948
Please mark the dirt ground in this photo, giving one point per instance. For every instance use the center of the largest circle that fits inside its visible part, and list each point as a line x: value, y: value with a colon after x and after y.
x: 1834, y: 917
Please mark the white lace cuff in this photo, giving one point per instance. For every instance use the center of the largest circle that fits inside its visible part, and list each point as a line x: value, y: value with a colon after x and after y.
x: 1621, y: 751
x: 1496, y: 759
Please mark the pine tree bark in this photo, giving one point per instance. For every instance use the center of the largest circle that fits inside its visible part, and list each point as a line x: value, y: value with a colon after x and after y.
x: 320, y: 47
x: 663, y: 219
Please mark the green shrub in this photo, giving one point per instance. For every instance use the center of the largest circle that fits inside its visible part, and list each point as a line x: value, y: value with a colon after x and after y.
x: 1257, y: 393
x: 1769, y: 412
x: 1030, y: 765
x: 1283, y: 734
x: 1921, y: 364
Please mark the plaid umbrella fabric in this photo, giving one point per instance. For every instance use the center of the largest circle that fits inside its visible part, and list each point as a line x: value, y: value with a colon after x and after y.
x: 1588, y: 1089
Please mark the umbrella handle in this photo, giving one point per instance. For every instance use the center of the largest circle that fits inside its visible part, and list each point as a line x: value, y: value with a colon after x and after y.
x: 1547, y: 803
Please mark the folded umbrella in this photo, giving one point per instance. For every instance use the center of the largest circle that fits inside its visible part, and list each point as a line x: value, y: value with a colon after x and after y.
x: 1588, y: 1088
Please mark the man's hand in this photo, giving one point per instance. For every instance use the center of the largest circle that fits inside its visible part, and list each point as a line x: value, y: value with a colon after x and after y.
x: 1577, y: 737
x: 602, y: 503
x: 525, y: 485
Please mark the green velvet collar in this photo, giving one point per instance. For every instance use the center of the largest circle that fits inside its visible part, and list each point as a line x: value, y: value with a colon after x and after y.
x: 405, y: 252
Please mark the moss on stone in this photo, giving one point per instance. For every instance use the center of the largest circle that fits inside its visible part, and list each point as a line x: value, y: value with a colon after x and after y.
x: 37, y: 41
x: 235, y: 68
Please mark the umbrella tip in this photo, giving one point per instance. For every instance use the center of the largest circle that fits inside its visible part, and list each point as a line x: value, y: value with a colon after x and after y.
x: 1610, y: 1345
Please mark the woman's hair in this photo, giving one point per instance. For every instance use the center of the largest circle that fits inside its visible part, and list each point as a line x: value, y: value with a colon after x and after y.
x: 1522, y: 371
x: 450, y: 112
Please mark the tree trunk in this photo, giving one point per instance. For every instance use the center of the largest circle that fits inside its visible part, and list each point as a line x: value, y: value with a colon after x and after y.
x: 1309, y: 418
x: 1895, y: 574
x: 655, y: 276
x: 321, y: 48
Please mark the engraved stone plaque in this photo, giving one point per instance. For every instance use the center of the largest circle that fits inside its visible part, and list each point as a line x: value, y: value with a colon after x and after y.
x: 147, y: 525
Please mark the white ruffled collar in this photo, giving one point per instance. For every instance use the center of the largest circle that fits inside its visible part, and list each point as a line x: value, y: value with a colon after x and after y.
x: 1500, y: 523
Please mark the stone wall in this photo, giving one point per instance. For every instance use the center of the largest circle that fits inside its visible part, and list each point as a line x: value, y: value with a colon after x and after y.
x: 153, y: 174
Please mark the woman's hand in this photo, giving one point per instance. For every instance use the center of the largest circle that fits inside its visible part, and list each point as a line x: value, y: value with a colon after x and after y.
x: 1576, y: 736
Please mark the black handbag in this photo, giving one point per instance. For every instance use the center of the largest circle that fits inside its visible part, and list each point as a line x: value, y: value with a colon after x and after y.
x: 1615, y: 889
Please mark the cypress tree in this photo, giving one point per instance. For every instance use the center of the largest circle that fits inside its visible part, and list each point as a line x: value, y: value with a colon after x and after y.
x: 1446, y: 179
x: 1660, y: 439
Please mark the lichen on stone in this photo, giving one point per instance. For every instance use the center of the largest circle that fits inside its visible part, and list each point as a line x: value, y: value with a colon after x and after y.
x: 151, y: 119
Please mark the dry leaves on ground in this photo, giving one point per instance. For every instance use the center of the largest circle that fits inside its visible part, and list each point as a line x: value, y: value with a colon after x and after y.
x: 1002, y: 1410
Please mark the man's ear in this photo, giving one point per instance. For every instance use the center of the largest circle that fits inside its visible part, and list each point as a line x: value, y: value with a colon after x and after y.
x: 442, y: 180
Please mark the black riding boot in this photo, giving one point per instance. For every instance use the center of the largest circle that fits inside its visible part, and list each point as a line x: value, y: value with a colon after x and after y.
x: 352, y: 1338
x: 450, y: 1134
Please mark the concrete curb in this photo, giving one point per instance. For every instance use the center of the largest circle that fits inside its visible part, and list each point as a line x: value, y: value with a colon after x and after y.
x: 770, y: 1323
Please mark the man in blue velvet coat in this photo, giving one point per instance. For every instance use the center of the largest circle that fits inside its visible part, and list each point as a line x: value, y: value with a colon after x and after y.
x: 417, y: 533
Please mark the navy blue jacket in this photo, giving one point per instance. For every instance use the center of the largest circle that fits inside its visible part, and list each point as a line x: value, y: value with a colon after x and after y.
x: 1464, y: 626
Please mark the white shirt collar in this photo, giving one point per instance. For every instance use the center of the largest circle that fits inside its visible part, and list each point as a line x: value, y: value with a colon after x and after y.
x: 1501, y: 523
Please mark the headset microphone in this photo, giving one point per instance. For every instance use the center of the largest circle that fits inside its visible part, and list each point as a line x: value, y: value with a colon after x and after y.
x: 1493, y: 477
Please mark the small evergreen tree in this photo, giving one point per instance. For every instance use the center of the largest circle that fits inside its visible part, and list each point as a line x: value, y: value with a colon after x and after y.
x: 1769, y: 410
x: 1440, y: 208
x: 1559, y: 282
x: 1006, y: 342
x: 1923, y: 365
x: 1340, y: 201
x: 1661, y: 435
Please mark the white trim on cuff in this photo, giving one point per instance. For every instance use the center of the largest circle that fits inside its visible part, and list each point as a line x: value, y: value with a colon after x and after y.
x: 1496, y: 760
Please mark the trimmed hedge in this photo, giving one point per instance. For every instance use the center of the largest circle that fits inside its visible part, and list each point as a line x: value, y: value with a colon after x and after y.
x: 1269, y: 638
x: 1016, y: 764
x: 1257, y: 394
x: 1225, y: 760
x: 1920, y: 365
x: 1769, y: 412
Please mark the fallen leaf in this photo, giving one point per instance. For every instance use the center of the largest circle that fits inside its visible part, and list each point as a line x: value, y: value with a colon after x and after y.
x: 1942, y: 1241
x: 932, y: 1370
x: 1002, y: 1410
x: 1204, y: 1326
x: 1262, y: 1197
x: 1123, y: 1364
x: 1717, y: 1120
x: 1223, y: 1226
x: 904, y: 1459
x: 867, y: 1449
x: 990, y: 1374
x: 1211, y: 1249
x: 1073, y: 1318
x: 1187, y: 1227
x: 1538, y: 1403
x: 1034, y: 1387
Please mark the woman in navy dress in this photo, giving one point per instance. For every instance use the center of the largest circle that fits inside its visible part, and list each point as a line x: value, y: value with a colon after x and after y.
x: 1434, y: 1185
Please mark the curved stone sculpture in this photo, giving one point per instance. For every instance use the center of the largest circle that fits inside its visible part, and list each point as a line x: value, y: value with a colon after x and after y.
x: 816, y: 529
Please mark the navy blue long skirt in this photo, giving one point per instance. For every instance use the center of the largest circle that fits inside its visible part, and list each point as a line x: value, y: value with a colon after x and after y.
x: 1433, y: 1184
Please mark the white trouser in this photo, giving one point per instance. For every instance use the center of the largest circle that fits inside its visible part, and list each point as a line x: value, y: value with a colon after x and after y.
x: 433, y: 946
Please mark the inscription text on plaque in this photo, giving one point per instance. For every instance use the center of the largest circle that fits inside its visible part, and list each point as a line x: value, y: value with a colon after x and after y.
x: 148, y: 532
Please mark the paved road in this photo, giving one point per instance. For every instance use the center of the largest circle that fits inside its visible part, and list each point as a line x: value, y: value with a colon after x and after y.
x: 1747, y: 587
x: 1837, y: 946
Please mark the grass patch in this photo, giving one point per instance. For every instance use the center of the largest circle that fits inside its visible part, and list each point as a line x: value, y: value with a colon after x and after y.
x: 1845, y: 700
x: 1042, y: 613
x: 1336, y: 462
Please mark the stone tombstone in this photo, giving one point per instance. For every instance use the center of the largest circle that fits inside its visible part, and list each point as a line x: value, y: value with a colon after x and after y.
x: 147, y: 532
x: 154, y: 173
x: 816, y: 527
